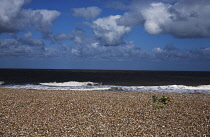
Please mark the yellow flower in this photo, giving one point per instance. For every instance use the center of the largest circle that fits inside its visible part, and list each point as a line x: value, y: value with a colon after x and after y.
x: 165, y: 97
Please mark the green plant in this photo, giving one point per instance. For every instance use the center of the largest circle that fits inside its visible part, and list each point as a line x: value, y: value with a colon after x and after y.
x: 158, y: 106
x: 160, y: 101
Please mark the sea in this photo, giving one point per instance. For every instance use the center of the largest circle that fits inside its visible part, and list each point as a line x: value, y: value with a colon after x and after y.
x: 107, y: 80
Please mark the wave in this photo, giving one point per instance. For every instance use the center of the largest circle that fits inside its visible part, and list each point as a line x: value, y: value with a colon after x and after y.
x: 43, y: 87
x: 167, y: 88
x: 1, y: 82
x: 73, y: 85
x: 201, y: 87
x: 70, y: 83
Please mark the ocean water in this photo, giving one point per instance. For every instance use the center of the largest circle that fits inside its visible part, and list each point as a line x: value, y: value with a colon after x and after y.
x: 64, y: 86
x: 132, y: 81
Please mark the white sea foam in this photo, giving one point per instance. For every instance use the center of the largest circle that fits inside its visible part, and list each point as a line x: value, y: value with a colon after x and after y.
x: 73, y: 85
x: 41, y: 87
x: 167, y: 88
x: 94, y: 86
x: 1, y: 82
x: 201, y: 87
x: 70, y: 83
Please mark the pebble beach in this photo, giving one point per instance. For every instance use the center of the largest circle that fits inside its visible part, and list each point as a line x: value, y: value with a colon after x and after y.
x: 30, y: 112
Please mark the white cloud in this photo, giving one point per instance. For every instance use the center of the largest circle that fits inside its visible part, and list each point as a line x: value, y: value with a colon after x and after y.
x: 155, y: 17
x: 158, y: 50
x: 173, y: 53
x: 183, y: 18
x: 21, y: 47
x: 28, y: 41
x: 9, y: 9
x: 42, y: 20
x: 13, y: 18
x: 131, y: 52
x: 56, y: 38
x: 131, y: 19
x: 27, y: 35
x: 87, y: 13
x: 108, y: 31
x: 95, y: 44
x: 45, y: 18
x: 92, y: 50
x: 180, y: 20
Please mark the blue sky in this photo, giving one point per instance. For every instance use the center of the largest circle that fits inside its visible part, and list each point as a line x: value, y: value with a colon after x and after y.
x: 105, y: 34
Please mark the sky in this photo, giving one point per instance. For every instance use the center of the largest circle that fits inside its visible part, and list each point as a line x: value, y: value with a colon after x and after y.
x: 105, y: 34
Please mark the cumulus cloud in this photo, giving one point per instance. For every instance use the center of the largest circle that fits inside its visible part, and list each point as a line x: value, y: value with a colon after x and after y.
x: 183, y: 18
x: 155, y: 16
x: 9, y: 9
x: 13, y: 18
x: 87, y: 13
x: 27, y: 40
x: 88, y: 48
x: 24, y: 45
x: 202, y: 53
x: 180, y: 20
x: 57, y: 38
x: 42, y: 20
x: 78, y: 36
x: 94, y: 50
x: 131, y: 19
x: 108, y: 31
x: 131, y: 52
x: 173, y: 53
x: 170, y: 53
x: 12, y: 47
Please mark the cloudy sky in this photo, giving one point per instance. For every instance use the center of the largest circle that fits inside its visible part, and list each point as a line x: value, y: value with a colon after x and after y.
x: 105, y: 34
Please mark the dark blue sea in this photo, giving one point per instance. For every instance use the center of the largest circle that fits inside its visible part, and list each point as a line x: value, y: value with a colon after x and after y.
x: 110, y: 80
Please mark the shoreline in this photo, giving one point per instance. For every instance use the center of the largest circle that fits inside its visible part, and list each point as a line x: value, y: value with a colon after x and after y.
x: 101, y: 113
x: 204, y: 89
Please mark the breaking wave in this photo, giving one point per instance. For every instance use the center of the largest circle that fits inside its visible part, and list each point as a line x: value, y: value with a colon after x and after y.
x: 168, y: 88
x: 43, y: 87
x: 73, y: 85
x: 1, y: 82
x: 201, y: 87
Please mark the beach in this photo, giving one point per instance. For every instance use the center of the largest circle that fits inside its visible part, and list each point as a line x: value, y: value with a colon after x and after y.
x: 29, y: 112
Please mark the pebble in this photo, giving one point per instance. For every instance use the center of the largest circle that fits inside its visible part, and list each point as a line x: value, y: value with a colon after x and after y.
x: 101, y: 113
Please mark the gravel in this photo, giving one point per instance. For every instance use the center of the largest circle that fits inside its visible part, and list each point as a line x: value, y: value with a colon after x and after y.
x: 25, y: 112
